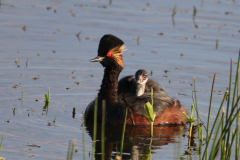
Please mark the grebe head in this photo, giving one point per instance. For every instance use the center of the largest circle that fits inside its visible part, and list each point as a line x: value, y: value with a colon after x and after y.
x: 110, y: 51
x: 141, y: 76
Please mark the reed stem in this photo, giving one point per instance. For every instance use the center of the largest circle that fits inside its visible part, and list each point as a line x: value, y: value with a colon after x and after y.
x: 209, y: 111
x: 94, y: 127
x: 123, y: 133
x: 103, y: 128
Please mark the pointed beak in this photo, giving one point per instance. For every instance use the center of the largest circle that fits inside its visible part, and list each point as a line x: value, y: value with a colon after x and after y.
x: 97, y: 59
x: 140, y: 79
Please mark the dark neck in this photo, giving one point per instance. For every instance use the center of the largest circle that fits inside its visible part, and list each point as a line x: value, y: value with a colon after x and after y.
x: 109, y: 87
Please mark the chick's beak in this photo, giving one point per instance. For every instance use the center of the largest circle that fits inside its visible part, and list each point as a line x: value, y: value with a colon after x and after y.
x: 140, y: 79
x: 97, y: 59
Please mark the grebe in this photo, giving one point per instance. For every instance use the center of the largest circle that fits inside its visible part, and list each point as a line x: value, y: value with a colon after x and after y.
x: 167, y: 110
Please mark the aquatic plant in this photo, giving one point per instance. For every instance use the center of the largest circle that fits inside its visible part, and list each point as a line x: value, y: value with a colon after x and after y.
x: 123, y: 132
x: 47, y: 96
x: 71, y: 146
x: 191, y: 119
x: 103, y: 129
x: 1, y: 143
x: 224, y: 137
x: 150, y: 113
x: 94, y: 127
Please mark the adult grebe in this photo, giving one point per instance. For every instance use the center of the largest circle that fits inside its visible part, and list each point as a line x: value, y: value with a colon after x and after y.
x: 167, y: 110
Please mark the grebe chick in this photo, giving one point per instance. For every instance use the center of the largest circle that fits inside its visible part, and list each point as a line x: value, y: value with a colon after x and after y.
x: 144, y: 85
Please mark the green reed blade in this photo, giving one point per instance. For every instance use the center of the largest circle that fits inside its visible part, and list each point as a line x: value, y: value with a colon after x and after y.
x: 46, y: 98
x: 196, y: 108
x: 229, y: 89
x: 1, y: 143
x: 71, y: 149
x: 94, y: 127
x: 123, y: 133
x: 230, y: 147
x: 215, y: 145
x: 209, y: 111
x: 49, y: 95
x: 228, y: 104
x: 103, y: 128
x: 152, y: 96
x: 237, y: 119
x: 229, y: 123
x: 223, y: 141
x: 209, y: 137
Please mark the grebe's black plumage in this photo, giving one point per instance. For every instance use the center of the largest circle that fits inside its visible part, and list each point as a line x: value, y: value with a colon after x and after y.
x: 110, y: 56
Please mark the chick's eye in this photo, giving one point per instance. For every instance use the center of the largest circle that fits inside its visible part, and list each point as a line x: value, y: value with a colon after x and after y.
x: 109, y: 54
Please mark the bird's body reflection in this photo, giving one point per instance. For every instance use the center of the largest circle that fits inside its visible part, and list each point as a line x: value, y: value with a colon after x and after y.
x: 137, y: 142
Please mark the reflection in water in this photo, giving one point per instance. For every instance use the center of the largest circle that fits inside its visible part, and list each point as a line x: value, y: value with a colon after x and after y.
x: 137, y: 141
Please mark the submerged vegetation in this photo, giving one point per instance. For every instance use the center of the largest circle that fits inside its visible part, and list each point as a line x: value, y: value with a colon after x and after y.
x: 150, y: 113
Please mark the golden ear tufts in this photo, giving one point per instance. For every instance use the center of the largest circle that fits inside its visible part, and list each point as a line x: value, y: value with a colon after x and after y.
x: 118, y: 50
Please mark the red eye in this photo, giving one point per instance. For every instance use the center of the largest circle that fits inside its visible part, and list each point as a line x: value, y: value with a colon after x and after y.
x: 109, y: 54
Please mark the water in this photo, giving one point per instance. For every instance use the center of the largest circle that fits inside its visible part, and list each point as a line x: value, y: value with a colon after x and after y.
x: 58, y: 60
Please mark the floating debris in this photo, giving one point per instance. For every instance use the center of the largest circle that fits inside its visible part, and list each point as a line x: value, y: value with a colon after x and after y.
x: 49, y: 7
x: 27, y: 63
x: 173, y: 14
x: 33, y: 145
x: 227, y: 13
x: 78, y: 35
x: 35, y: 78
x: 154, y: 52
x: 137, y: 40
x: 16, y: 61
x: 161, y: 34
x: 73, y: 113
x: 194, y: 12
x: 182, y: 94
x: 24, y: 28
x: 217, y: 44
x: 104, y: 7
x: 183, y: 38
x: 166, y: 71
x: 132, y: 54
